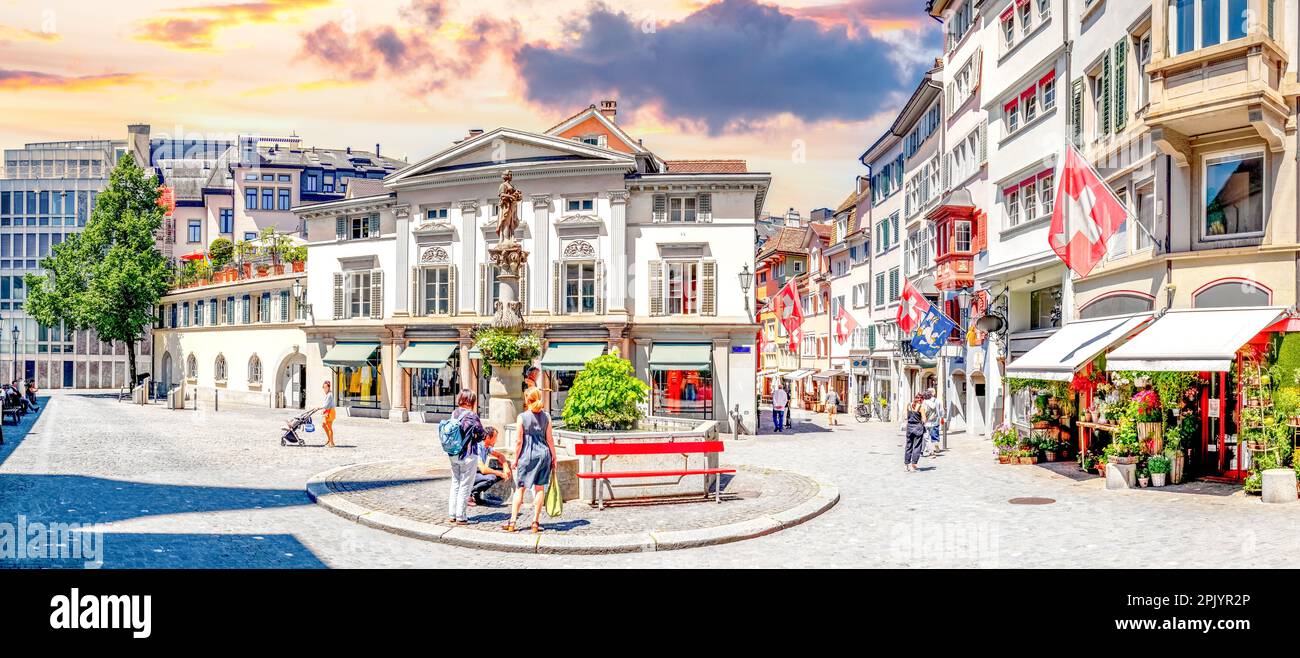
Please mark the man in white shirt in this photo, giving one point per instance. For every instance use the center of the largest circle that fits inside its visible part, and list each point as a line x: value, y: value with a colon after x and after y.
x: 931, y: 404
x: 779, y: 401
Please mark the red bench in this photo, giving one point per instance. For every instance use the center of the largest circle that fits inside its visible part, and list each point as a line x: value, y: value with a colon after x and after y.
x: 598, y: 450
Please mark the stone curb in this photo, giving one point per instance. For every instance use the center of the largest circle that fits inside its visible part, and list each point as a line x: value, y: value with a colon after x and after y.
x: 558, y: 543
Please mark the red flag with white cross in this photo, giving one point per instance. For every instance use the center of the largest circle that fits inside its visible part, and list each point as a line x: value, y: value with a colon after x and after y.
x: 1085, y: 215
x: 788, y: 313
x: 844, y: 325
x: 912, y: 306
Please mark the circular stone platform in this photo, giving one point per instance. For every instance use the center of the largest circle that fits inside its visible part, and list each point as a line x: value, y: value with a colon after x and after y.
x: 409, y: 497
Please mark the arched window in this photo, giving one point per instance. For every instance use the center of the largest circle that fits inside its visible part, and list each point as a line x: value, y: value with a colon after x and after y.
x: 1227, y: 293
x: 1120, y: 303
x: 254, y: 370
x: 191, y: 367
x: 219, y: 368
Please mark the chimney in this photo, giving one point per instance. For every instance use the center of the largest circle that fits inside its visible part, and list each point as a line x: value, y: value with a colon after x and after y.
x: 376, y: 149
x: 138, y: 143
x: 792, y: 218
x: 609, y: 108
x: 349, y: 150
x: 474, y: 132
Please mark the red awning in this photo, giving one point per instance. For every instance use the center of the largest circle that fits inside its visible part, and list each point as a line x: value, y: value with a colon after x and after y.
x: 193, y: 256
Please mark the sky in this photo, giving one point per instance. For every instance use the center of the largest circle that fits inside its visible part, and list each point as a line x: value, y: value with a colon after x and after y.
x: 798, y: 89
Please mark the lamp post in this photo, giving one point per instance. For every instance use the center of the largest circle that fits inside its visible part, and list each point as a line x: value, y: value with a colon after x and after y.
x: 746, y: 279
x: 300, y: 296
x: 15, y: 335
x: 963, y: 304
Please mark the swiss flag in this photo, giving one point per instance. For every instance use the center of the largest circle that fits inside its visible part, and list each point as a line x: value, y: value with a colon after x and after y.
x: 844, y: 326
x: 788, y: 313
x: 1087, y: 213
x: 911, y: 307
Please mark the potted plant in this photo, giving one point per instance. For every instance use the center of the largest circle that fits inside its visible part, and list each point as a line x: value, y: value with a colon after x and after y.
x: 244, y: 252
x: 1004, y: 440
x: 297, y: 257
x: 1144, y: 478
x: 1049, y: 447
x: 203, y: 272
x: 1158, y: 467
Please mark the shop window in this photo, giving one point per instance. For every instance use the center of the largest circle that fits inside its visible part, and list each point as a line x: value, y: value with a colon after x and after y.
x: 1045, y: 308
x: 1116, y: 304
x: 434, y: 390
x: 686, y: 393
x: 1232, y: 293
x: 358, y: 386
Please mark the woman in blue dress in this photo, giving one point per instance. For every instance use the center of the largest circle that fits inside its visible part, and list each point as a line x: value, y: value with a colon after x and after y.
x: 534, y: 458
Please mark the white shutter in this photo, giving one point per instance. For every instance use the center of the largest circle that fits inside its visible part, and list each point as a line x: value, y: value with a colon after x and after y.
x: 600, y: 287
x: 453, y: 299
x: 374, y: 225
x: 376, y: 294
x: 415, y: 292
x: 656, y: 287
x: 557, y: 287
x: 975, y: 74
x: 708, y: 287
x: 984, y: 140
x: 948, y: 99
x: 947, y: 171
x: 484, y: 285
x: 704, y: 207
x: 524, y: 274
x: 284, y: 306
x: 338, y: 299
x: 341, y: 228
x: 660, y: 210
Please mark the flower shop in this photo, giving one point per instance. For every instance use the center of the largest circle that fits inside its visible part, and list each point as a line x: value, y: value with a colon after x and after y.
x: 1212, y: 394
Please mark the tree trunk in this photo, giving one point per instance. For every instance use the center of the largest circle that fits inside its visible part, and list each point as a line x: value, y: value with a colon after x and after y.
x: 130, y: 361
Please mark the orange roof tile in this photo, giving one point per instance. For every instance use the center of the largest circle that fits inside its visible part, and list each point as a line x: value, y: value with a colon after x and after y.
x: 706, y: 166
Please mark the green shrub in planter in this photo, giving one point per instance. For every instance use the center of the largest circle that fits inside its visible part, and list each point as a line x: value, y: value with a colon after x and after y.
x: 604, y: 396
x: 501, y: 348
x: 1158, y: 464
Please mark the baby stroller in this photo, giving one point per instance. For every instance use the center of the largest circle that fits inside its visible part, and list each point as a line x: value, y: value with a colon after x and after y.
x: 290, y: 430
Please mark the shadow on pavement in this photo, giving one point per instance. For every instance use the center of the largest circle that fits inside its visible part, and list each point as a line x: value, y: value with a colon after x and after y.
x: 183, y: 551
x: 13, y: 435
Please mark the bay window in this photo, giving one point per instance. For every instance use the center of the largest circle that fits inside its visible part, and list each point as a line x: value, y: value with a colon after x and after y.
x: 1196, y: 24
x: 1233, y: 189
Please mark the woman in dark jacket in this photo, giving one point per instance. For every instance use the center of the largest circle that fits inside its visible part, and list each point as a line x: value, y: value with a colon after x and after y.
x: 465, y: 465
x: 915, y: 442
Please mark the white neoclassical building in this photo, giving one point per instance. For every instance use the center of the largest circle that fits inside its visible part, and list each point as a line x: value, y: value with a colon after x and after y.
x: 629, y: 254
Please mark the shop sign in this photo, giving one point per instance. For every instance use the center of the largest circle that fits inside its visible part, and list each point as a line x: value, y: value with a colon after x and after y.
x: 740, y: 349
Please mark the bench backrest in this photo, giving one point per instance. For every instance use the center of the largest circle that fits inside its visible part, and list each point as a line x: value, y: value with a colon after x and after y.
x: 647, y: 448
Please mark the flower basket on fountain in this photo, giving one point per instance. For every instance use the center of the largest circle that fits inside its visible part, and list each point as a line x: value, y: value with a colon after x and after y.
x: 505, y: 348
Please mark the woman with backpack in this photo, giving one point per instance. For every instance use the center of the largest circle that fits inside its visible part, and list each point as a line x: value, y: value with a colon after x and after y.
x: 534, y: 458
x: 460, y: 435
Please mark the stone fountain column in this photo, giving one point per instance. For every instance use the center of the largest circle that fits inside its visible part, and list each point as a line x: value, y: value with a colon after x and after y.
x: 505, y: 386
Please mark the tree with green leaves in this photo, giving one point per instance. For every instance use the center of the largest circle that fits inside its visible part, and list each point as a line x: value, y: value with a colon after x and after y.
x: 110, y: 276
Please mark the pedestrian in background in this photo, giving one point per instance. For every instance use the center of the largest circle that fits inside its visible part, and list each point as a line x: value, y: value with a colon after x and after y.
x: 932, y: 419
x: 915, y: 433
x: 780, y: 399
x: 328, y: 413
x: 832, y: 403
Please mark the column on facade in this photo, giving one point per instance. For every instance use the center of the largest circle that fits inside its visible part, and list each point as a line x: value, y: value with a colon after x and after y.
x: 468, y: 279
x: 399, y: 388
x: 403, y: 215
x: 540, y: 260
x: 616, y: 343
x: 721, y: 383
x: 617, y: 275
x: 467, y: 378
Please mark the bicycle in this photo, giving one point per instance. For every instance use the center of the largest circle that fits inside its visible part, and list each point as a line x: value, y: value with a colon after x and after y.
x: 862, y: 412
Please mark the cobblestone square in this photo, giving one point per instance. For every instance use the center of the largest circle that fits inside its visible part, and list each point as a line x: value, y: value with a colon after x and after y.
x: 215, y: 489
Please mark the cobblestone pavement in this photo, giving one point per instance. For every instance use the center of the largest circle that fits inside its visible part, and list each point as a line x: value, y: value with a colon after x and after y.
x: 204, y: 489
x: 412, y: 489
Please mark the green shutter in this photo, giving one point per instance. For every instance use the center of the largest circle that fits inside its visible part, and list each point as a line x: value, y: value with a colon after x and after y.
x: 1076, y: 111
x: 1105, y: 94
x: 1121, y: 84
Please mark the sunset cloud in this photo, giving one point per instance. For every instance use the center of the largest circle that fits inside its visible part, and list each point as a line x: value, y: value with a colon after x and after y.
x: 35, y: 80
x: 428, y: 52
x: 198, y: 28
x: 876, y: 15
x: 732, y: 66
x: 9, y: 34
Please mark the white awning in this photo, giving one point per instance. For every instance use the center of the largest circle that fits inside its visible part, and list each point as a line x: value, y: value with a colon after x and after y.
x: 1192, y: 340
x: 1074, y: 345
x: 765, y: 373
x: 798, y: 374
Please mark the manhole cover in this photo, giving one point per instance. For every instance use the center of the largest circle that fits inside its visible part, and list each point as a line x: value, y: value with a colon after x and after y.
x: 1032, y: 501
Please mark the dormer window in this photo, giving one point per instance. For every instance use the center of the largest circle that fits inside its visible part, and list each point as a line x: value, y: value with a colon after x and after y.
x: 594, y: 140
x: 580, y: 205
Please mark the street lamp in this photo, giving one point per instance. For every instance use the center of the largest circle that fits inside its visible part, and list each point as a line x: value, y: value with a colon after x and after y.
x: 746, y: 279
x: 300, y: 296
x: 15, y: 334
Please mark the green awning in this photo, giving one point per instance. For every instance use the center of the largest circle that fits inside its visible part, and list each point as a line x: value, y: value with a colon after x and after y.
x: 681, y: 356
x: 349, y: 355
x: 474, y: 354
x: 426, y: 355
x: 570, y: 356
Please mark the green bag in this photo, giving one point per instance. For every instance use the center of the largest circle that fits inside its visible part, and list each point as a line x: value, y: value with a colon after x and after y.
x: 554, y: 499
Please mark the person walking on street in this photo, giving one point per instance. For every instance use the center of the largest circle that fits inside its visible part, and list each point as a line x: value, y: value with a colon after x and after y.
x: 832, y: 406
x: 328, y: 412
x: 465, y: 465
x: 931, y: 422
x: 779, y: 401
x: 534, y: 458
x: 915, y: 434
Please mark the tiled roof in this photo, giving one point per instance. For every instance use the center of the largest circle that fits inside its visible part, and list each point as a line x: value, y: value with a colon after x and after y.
x: 789, y: 238
x: 823, y: 231
x: 360, y: 187
x: 706, y: 166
